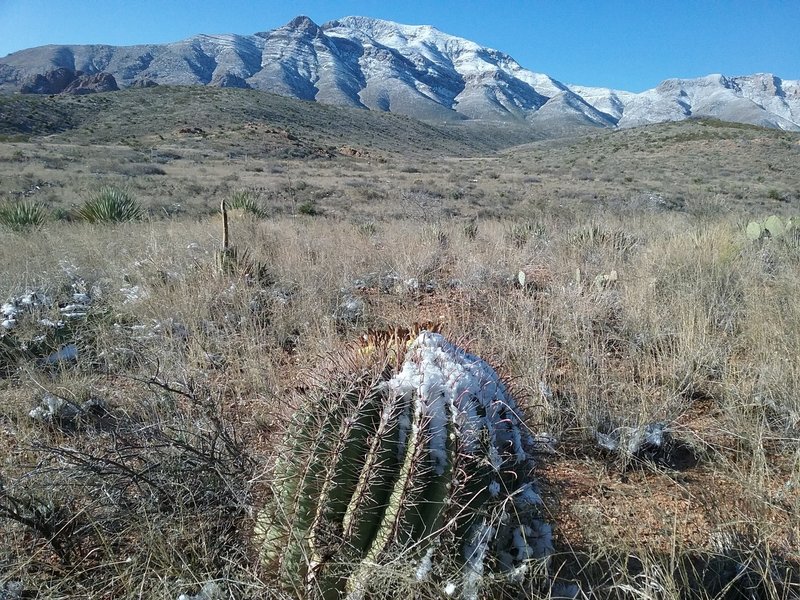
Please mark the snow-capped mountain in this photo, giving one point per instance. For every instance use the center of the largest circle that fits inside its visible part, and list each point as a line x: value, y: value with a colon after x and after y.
x: 760, y: 99
x: 414, y: 70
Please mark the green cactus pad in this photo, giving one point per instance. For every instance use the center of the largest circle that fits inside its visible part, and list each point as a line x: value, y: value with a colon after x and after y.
x: 754, y: 231
x: 775, y: 226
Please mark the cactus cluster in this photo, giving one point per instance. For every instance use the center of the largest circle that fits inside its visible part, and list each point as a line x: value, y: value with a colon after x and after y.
x: 773, y: 227
x: 425, y: 464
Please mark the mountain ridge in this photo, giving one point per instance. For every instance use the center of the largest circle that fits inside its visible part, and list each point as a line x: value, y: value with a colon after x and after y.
x: 415, y: 70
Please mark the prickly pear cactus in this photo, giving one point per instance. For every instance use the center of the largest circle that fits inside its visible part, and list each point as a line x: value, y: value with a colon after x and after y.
x: 427, y: 465
x: 754, y: 231
x: 773, y: 227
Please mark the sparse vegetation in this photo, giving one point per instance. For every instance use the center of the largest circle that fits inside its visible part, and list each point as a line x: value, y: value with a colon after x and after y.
x: 652, y: 346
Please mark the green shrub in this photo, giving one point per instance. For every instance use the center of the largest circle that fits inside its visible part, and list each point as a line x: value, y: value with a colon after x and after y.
x: 110, y: 205
x: 309, y: 207
x: 774, y: 194
x: 22, y: 216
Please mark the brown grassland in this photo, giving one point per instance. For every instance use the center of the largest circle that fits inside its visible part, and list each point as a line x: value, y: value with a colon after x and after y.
x: 184, y: 377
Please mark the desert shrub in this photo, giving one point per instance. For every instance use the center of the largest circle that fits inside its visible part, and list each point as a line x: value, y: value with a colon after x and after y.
x: 470, y: 229
x: 110, y: 205
x: 165, y: 156
x: 366, y: 190
x: 139, y: 169
x: 22, y: 216
x: 367, y: 228
x: 131, y: 504
x: 309, y: 207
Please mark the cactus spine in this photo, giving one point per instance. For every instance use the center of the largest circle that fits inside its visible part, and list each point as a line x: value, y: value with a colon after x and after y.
x: 428, y: 461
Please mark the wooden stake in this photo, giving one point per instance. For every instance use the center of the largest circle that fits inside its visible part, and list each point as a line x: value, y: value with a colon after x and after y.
x: 224, y: 211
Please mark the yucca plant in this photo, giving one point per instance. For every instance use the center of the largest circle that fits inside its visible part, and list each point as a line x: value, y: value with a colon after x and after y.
x: 110, y: 205
x: 425, y: 466
x: 594, y: 236
x: 248, y: 202
x: 520, y: 232
x: 23, y: 216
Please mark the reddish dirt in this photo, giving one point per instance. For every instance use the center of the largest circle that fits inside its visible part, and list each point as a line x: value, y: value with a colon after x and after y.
x: 591, y: 500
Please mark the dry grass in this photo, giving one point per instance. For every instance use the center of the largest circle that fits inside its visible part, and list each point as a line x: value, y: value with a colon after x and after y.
x: 151, y: 492
x: 699, y: 332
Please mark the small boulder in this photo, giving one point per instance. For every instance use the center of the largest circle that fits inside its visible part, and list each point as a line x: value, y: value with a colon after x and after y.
x: 65, y: 414
x: 209, y: 591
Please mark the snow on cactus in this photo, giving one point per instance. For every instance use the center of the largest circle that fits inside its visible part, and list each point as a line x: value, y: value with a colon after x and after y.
x: 427, y: 464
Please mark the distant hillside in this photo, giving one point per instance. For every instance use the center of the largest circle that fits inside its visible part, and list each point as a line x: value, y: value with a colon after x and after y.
x: 246, y: 119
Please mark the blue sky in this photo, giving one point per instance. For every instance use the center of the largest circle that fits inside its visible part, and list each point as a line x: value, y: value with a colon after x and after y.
x: 630, y: 45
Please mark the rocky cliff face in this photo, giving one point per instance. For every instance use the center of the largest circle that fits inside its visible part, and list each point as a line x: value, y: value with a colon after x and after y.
x: 67, y: 81
x: 414, y: 70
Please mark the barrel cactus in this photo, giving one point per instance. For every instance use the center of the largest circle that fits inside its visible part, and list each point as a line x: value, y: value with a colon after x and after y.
x: 422, y: 462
